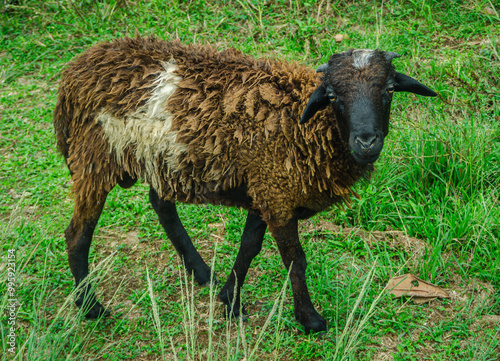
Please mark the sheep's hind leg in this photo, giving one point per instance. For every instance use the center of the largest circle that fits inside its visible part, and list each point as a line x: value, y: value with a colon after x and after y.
x: 78, y: 239
x: 169, y: 219
x: 292, y: 254
x: 251, y: 244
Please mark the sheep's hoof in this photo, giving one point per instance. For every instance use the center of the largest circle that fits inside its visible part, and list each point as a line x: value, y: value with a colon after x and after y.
x: 203, y: 274
x: 97, y: 311
x: 311, y: 320
x: 235, y: 314
x: 243, y: 315
x: 214, y: 281
x: 314, y: 323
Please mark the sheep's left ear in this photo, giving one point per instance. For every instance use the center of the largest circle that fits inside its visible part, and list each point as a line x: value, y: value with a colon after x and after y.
x: 404, y: 83
x: 317, y: 101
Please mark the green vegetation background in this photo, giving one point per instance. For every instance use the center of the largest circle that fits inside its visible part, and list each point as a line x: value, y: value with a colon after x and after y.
x: 431, y: 208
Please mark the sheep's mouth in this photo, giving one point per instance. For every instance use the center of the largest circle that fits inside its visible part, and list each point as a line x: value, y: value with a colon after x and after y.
x: 365, y: 158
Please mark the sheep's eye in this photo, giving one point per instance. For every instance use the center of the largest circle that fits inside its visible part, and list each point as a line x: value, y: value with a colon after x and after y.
x: 332, y: 97
x: 390, y: 88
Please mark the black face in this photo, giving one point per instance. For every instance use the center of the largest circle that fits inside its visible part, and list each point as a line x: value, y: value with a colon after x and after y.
x: 359, y: 85
x: 363, y: 118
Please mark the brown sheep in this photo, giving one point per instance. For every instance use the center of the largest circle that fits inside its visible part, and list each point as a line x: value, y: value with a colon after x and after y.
x: 202, y: 126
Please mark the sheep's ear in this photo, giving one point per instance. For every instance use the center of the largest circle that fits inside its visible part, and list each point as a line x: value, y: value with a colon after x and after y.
x: 404, y: 83
x: 322, y: 68
x: 390, y: 55
x: 317, y: 101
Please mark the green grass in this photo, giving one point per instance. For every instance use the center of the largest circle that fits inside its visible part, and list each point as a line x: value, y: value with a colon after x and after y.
x: 432, y: 207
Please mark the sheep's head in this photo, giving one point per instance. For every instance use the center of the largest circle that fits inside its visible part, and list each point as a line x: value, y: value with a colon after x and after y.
x: 359, y: 85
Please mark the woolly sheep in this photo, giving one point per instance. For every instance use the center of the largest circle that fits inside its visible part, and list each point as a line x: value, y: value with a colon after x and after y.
x: 202, y: 126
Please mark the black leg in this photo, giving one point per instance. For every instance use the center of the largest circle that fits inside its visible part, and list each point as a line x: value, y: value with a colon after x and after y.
x: 169, y: 219
x: 78, y: 239
x: 126, y: 180
x: 251, y: 244
x: 287, y: 239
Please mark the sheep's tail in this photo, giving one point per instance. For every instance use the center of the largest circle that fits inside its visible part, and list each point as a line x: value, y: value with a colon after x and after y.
x: 62, y: 120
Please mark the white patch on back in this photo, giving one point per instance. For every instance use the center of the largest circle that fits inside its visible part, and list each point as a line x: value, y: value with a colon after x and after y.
x: 148, y: 130
x: 361, y: 57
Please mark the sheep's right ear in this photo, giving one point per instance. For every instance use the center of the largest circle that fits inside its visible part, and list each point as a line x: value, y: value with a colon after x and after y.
x: 317, y: 101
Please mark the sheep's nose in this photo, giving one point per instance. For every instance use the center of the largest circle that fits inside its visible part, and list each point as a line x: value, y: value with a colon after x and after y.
x: 366, y: 142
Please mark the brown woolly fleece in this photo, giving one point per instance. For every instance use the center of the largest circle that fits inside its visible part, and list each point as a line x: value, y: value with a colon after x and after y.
x: 231, y: 126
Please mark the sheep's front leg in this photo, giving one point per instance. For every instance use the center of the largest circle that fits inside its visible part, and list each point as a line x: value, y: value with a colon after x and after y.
x: 287, y: 239
x: 78, y: 239
x: 250, y: 246
x: 169, y: 219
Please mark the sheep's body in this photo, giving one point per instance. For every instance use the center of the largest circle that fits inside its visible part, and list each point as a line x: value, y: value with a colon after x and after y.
x: 196, y: 124
x: 202, y: 126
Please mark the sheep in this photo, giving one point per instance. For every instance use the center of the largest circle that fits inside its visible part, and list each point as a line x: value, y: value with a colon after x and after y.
x: 201, y: 126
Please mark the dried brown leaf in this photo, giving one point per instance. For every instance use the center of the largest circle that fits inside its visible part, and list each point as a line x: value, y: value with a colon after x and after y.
x: 409, y: 285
